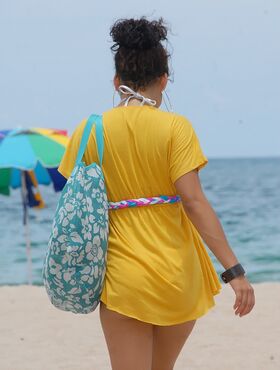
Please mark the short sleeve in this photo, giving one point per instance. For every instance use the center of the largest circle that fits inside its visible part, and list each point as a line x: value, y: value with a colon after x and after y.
x: 185, y: 152
x: 68, y: 160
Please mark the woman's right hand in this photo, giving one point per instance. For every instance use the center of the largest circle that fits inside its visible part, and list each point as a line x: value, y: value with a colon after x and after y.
x: 245, y: 298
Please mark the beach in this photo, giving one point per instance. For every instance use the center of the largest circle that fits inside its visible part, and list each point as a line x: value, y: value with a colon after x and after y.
x: 37, y: 336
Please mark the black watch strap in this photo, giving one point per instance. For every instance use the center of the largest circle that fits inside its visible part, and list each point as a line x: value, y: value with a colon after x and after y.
x: 232, y: 272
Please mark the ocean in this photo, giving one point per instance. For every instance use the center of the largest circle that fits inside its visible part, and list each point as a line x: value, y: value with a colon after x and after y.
x: 245, y: 193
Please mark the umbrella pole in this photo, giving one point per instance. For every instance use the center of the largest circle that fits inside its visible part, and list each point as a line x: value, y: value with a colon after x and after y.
x: 26, y: 227
x: 28, y: 251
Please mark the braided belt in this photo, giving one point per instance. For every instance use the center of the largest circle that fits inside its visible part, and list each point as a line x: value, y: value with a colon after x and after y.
x: 140, y: 202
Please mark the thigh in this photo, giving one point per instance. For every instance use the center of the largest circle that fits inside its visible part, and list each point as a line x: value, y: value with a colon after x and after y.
x: 167, y: 344
x: 129, y: 341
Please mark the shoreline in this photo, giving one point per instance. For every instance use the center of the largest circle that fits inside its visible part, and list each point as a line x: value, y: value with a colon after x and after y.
x: 4, y: 285
x: 37, y: 336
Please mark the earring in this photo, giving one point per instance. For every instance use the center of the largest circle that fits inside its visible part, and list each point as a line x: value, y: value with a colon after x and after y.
x: 114, y: 98
x: 170, y: 109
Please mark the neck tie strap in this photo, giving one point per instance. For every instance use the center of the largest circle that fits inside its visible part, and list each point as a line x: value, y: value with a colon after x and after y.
x: 133, y: 94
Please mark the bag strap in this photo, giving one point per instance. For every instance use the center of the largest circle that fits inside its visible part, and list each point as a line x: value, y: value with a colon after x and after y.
x: 97, y: 120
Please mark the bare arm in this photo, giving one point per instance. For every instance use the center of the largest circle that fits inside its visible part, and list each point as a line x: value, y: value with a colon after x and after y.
x: 205, y: 220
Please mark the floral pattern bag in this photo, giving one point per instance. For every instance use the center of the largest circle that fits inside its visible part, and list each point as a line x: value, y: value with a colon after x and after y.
x: 75, y: 261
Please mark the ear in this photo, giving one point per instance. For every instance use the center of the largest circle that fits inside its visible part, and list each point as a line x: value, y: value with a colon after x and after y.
x: 163, y: 81
x: 117, y: 82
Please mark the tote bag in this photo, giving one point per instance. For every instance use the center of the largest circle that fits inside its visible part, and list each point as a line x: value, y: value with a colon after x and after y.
x: 75, y: 261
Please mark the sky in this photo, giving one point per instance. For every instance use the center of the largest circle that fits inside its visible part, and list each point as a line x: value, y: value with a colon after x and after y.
x: 56, y: 66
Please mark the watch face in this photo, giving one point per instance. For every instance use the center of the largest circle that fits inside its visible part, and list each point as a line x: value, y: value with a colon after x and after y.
x: 224, y: 278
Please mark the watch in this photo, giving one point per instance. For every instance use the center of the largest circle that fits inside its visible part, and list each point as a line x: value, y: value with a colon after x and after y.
x: 232, y: 272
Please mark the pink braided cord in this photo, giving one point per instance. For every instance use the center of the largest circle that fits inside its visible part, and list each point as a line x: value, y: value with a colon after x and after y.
x: 140, y: 202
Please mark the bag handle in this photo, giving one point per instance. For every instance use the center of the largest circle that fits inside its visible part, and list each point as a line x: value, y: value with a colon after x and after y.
x: 97, y: 120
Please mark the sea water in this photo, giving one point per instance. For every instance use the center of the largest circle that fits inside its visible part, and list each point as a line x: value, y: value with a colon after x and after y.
x: 245, y: 193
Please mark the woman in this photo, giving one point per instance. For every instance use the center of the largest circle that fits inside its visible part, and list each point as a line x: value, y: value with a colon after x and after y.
x: 159, y: 277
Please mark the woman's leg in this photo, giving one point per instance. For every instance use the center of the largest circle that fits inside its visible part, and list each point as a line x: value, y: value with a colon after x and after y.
x: 129, y: 341
x: 167, y: 344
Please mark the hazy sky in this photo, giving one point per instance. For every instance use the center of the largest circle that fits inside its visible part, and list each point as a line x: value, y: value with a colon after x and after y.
x: 56, y: 66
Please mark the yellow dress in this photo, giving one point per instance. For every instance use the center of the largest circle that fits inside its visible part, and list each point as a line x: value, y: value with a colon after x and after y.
x: 158, y: 270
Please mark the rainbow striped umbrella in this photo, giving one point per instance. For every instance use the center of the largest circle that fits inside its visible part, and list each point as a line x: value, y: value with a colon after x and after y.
x: 29, y: 157
x: 35, y: 149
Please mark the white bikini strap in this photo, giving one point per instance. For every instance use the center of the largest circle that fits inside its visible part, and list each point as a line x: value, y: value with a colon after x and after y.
x: 133, y: 94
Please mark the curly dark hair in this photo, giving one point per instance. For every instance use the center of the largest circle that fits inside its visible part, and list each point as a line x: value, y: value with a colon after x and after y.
x: 140, y: 57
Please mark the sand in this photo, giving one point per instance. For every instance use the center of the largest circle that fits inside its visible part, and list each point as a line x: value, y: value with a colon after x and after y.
x: 34, y: 335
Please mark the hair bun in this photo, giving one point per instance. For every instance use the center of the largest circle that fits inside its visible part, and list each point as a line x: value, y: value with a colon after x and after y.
x: 138, y: 34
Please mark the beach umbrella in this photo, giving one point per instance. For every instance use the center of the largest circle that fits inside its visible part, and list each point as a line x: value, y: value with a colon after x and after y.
x: 29, y: 157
